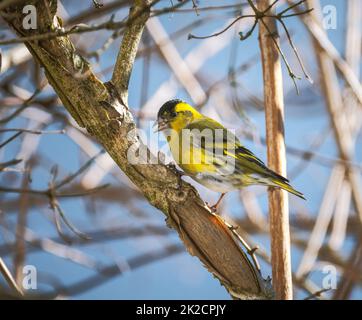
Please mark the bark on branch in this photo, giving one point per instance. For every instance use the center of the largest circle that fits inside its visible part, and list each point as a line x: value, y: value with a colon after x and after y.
x: 101, y: 108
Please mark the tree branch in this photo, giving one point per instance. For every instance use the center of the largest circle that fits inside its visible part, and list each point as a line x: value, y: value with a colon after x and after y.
x: 9, y: 278
x: 274, y: 114
x: 128, y: 50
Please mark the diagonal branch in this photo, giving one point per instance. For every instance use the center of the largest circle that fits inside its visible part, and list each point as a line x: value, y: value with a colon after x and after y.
x: 9, y: 278
x: 138, y: 16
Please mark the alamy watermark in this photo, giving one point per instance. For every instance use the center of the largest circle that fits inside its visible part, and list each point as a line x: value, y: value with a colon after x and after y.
x: 30, y: 20
x: 329, y: 281
x: 30, y: 278
x: 329, y: 17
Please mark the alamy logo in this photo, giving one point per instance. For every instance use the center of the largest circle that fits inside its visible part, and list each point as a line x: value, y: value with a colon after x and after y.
x: 30, y: 20
x: 329, y: 17
x: 330, y: 278
x: 29, y: 278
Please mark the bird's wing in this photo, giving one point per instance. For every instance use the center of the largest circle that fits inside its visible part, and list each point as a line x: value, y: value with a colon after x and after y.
x: 224, y: 143
x: 223, y: 146
x: 209, y: 134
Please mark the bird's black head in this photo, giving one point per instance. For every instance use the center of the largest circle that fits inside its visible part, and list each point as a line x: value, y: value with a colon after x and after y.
x: 168, y: 109
x: 166, y: 114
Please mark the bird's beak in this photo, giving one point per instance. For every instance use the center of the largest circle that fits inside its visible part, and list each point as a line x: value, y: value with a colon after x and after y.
x: 160, y: 125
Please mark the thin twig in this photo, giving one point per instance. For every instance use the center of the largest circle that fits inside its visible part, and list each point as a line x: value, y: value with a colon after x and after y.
x: 13, y: 137
x: 9, y: 278
x: 317, y: 294
x: 78, y: 172
x: 32, y: 131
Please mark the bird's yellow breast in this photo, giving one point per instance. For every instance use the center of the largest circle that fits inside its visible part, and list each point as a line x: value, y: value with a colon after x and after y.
x: 189, y: 157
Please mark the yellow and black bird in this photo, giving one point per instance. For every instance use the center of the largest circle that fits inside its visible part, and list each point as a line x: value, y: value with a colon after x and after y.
x: 211, y: 154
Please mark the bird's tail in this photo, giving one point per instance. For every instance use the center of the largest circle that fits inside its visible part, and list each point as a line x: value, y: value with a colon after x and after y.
x: 286, y: 186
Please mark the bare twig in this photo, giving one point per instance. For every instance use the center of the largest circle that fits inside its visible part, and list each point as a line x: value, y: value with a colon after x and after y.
x: 191, y: 36
x: 71, y: 177
x: 32, y: 131
x: 317, y: 294
x: 13, y: 137
x: 9, y: 278
x: 259, y: 16
x: 5, y: 165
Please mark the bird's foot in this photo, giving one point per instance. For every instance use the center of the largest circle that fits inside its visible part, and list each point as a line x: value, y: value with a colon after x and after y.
x: 214, y: 207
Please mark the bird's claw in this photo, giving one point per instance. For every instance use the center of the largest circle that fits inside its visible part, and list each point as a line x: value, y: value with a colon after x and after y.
x: 212, y: 208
